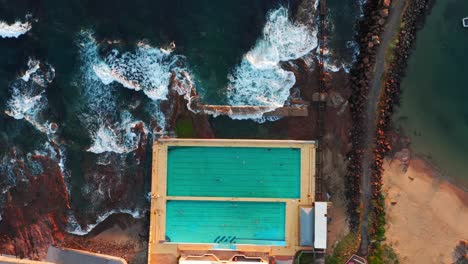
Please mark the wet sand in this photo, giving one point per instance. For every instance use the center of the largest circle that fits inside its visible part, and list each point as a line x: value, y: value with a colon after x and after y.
x: 426, y: 215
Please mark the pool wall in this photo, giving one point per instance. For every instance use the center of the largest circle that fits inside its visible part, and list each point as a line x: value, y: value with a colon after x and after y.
x: 164, y: 225
x: 234, y: 172
x: 224, y: 222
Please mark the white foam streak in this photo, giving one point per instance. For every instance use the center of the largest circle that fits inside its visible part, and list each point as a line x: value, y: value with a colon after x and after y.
x: 75, y: 228
x: 117, y: 139
x: 259, y: 79
x: 27, y: 99
x: 33, y: 65
x: 14, y: 30
x: 110, y: 130
x: 148, y: 69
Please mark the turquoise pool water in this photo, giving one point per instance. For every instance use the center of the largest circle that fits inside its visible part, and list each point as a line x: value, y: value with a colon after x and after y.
x: 234, y: 172
x: 227, y: 223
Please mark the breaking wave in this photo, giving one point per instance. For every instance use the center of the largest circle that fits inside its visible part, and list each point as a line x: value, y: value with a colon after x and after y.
x: 259, y: 79
x: 147, y: 68
x: 77, y: 229
x: 153, y: 71
x: 119, y: 138
x: 16, y: 29
x: 28, y: 100
x: 110, y: 129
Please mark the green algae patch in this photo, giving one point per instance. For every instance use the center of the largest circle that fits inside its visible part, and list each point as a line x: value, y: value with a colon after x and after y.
x: 184, y: 127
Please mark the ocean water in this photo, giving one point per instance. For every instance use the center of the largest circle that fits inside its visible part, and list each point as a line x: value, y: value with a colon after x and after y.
x: 341, y: 27
x: 81, y: 74
x: 434, y: 110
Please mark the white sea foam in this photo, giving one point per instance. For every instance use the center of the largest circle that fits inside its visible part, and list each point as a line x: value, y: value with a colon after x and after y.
x: 118, y: 138
x: 75, y: 228
x: 259, y: 79
x: 27, y: 99
x: 110, y: 129
x: 16, y: 29
x: 147, y: 68
x: 33, y: 66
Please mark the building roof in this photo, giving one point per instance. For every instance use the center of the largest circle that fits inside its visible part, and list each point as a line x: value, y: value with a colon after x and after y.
x: 354, y: 259
x: 307, y: 226
x: 320, y: 225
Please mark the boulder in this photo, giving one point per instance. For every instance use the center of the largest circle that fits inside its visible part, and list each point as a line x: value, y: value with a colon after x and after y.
x: 381, y: 22
x: 384, y: 12
x: 365, y: 60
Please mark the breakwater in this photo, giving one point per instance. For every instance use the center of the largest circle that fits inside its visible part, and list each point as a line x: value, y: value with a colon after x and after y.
x: 372, y: 125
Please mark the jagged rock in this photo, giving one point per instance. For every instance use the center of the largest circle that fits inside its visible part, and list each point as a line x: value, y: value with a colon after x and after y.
x: 403, y: 156
x: 376, y: 40
x: 384, y: 13
x: 460, y: 254
x: 335, y: 99
x: 366, y: 60
x: 381, y: 21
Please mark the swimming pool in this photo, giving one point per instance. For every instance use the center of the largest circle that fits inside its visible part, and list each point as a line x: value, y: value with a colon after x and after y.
x: 221, y: 222
x: 234, y: 172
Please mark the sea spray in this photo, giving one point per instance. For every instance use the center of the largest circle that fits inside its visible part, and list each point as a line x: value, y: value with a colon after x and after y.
x: 15, y: 29
x: 150, y: 70
x: 147, y: 68
x: 28, y: 100
x: 118, y: 138
x: 77, y: 229
x: 110, y: 128
x: 259, y: 78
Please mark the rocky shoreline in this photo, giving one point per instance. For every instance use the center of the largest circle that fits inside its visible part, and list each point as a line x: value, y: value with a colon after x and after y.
x: 412, y: 17
x: 369, y: 39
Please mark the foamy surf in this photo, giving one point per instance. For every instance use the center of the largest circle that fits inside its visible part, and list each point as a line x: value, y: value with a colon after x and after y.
x: 16, y: 29
x: 118, y: 139
x: 147, y: 69
x: 259, y: 79
x: 76, y: 229
x: 110, y: 129
x: 28, y: 99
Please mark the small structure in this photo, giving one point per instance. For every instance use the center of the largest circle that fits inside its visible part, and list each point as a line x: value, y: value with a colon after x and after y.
x: 293, y: 107
x: 355, y: 259
x: 57, y: 255
x: 465, y: 22
x: 73, y: 256
x: 320, y: 225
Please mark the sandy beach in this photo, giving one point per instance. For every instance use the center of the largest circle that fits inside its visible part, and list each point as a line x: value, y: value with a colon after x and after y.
x: 426, y: 215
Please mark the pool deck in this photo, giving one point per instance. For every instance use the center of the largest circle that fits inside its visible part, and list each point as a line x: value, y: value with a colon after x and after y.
x: 161, y: 252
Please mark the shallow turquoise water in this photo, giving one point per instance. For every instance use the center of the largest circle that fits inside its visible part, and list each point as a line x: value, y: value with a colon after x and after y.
x: 225, y: 222
x: 234, y: 172
x: 434, y: 111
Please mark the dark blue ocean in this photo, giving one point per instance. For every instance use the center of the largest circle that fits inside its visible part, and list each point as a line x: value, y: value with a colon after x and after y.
x: 58, y: 82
